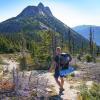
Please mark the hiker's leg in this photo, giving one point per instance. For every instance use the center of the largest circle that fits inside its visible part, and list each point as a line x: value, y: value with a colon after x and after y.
x: 62, y: 82
x: 58, y: 82
x: 56, y: 76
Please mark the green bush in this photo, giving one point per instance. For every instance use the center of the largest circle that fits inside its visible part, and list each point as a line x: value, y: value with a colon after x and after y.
x: 90, y: 94
x: 85, y: 92
x: 87, y: 58
x: 1, y: 60
x: 23, y: 63
x: 79, y: 56
x: 95, y: 91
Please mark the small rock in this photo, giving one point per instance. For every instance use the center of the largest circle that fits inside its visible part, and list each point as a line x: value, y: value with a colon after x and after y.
x: 48, y: 90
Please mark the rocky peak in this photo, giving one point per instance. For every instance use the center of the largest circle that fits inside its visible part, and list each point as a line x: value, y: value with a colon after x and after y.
x: 48, y: 11
x: 35, y: 10
x: 40, y: 6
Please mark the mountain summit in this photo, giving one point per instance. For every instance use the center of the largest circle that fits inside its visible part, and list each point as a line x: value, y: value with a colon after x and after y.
x: 37, y: 18
x: 35, y: 10
x: 41, y: 6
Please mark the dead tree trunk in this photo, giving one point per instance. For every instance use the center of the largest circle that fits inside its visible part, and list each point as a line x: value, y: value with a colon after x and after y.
x: 91, y: 41
x: 53, y: 44
x: 69, y: 40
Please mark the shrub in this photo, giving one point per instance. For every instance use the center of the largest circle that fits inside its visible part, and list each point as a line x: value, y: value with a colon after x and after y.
x: 87, y: 58
x: 95, y: 91
x: 0, y: 60
x: 79, y: 56
x: 23, y: 63
x: 26, y: 62
x: 90, y: 94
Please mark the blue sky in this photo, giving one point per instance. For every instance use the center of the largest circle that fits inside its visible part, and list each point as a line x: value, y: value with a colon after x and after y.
x: 71, y: 12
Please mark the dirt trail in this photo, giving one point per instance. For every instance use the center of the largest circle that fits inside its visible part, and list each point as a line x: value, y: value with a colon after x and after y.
x: 69, y: 94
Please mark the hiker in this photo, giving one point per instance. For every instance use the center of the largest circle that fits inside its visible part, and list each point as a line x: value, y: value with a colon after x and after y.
x: 57, y: 65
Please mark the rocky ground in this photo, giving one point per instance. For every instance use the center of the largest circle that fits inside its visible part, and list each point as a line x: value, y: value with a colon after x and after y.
x: 89, y: 71
x: 31, y: 85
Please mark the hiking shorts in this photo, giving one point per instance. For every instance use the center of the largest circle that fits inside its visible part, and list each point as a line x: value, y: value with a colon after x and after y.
x: 57, y: 74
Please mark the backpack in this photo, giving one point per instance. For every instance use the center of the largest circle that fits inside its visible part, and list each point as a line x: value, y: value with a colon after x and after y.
x: 64, y: 60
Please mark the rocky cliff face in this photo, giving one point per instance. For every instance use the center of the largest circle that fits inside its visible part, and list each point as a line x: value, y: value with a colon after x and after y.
x: 35, y: 10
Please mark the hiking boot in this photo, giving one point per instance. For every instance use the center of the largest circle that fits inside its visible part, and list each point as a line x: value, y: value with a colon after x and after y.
x: 61, y: 89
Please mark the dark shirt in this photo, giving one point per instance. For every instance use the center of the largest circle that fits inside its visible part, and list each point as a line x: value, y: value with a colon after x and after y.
x: 57, y: 59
